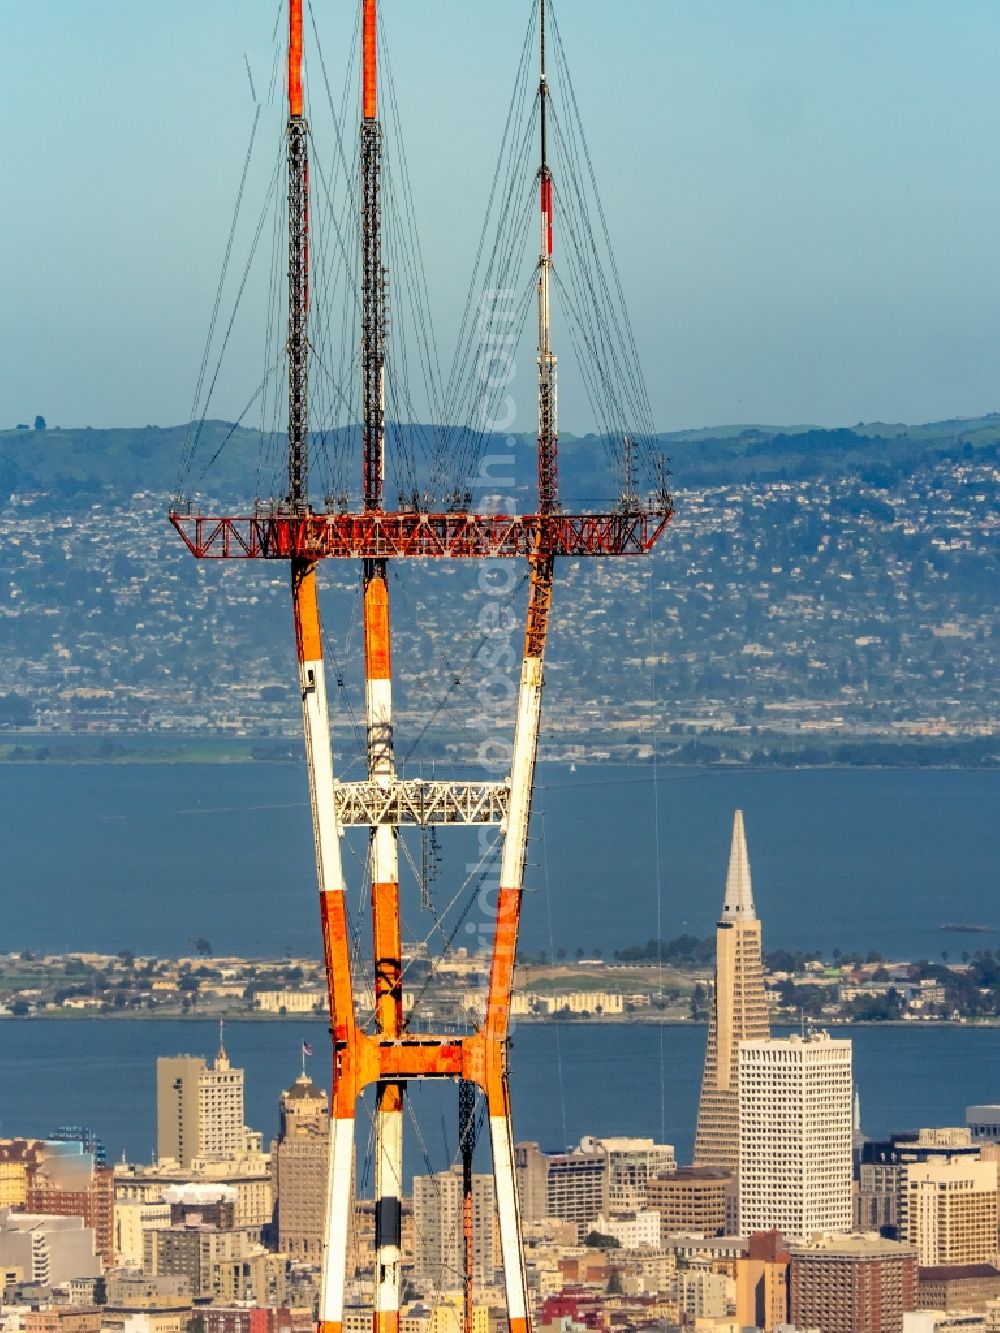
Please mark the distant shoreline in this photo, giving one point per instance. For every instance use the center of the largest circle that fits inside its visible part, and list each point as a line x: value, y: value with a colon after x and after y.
x: 612, y: 1020
x: 879, y: 754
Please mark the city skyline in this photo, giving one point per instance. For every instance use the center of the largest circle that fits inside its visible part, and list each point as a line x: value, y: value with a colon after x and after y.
x: 200, y: 1232
x: 766, y: 241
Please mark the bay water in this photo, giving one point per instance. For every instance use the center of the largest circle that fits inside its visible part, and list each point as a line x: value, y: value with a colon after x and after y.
x: 146, y: 857
x: 568, y: 1079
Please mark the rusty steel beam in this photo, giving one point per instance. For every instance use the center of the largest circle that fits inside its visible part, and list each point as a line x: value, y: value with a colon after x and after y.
x: 374, y: 536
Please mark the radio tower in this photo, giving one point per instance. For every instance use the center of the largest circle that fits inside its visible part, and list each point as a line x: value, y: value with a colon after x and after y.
x: 390, y: 1058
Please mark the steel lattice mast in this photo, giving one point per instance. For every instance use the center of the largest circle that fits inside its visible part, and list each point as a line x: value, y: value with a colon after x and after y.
x: 389, y: 1057
x: 315, y: 712
x: 384, y: 854
x: 548, y: 426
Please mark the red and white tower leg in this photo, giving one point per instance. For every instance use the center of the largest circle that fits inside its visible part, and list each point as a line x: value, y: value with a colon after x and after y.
x: 387, y: 947
x: 522, y: 777
x: 315, y: 710
x: 336, y: 943
x: 387, y: 942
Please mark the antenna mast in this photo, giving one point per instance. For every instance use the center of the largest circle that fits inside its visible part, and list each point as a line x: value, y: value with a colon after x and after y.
x: 373, y: 278
x: 297, y: 134
x: 548, y: 428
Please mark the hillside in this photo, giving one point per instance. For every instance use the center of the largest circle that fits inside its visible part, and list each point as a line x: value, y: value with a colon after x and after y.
x: 816, y: 588
x: 79, y: 462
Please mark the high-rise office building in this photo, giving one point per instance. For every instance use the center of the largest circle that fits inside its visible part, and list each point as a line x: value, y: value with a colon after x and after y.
x: 795, y: 1135
x: 632, y: 1163
x: 87, y: 1139
x: 951, y: 1211
x: 65, y: 1183
x: 199, y: 1109
x: 600, y: 1174
x: 880, y: 1200
x: 852, y: 1284
x: 739, y: 1012
x: 133, y: 1218
x: 18, y: 1159
x: 299, y: 1158
x: 203, y: 1243
x: 437, y: 1226
x: 692, y: 1200
x: 983, y: 1122
x: 571, y: 1186
x: 762, y: 1282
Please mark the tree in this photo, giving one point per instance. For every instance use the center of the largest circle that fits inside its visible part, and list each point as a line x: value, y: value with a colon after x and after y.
x: 15, y: 710
x: 808, y: 1000
x: 596, y: 1240
x: 877, y: 1008
x: 202, y: 947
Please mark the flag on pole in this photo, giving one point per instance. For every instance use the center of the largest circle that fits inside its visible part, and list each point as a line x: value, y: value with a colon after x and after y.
x: 306, y: 1050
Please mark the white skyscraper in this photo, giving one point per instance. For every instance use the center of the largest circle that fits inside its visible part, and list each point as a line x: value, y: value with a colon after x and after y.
x: 795, y: 1135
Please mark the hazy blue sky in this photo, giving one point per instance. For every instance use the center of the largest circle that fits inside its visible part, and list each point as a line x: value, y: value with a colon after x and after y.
x: 807, y: 194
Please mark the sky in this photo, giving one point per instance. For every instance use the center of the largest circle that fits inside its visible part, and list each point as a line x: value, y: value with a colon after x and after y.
x: 804, y: 195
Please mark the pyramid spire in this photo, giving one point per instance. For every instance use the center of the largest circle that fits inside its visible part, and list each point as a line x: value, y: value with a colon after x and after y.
x: 738, y: 904
x: 739, y: 1013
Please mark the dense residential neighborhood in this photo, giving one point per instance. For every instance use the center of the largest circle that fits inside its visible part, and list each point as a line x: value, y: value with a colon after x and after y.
x: 812, y: 589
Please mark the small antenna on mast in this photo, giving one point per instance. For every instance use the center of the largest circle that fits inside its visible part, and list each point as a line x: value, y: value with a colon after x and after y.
x: 630, y: 496
x: 543, y: 86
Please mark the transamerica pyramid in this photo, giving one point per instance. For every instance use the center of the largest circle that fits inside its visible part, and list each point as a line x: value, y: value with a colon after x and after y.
x: 739, y: 1012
